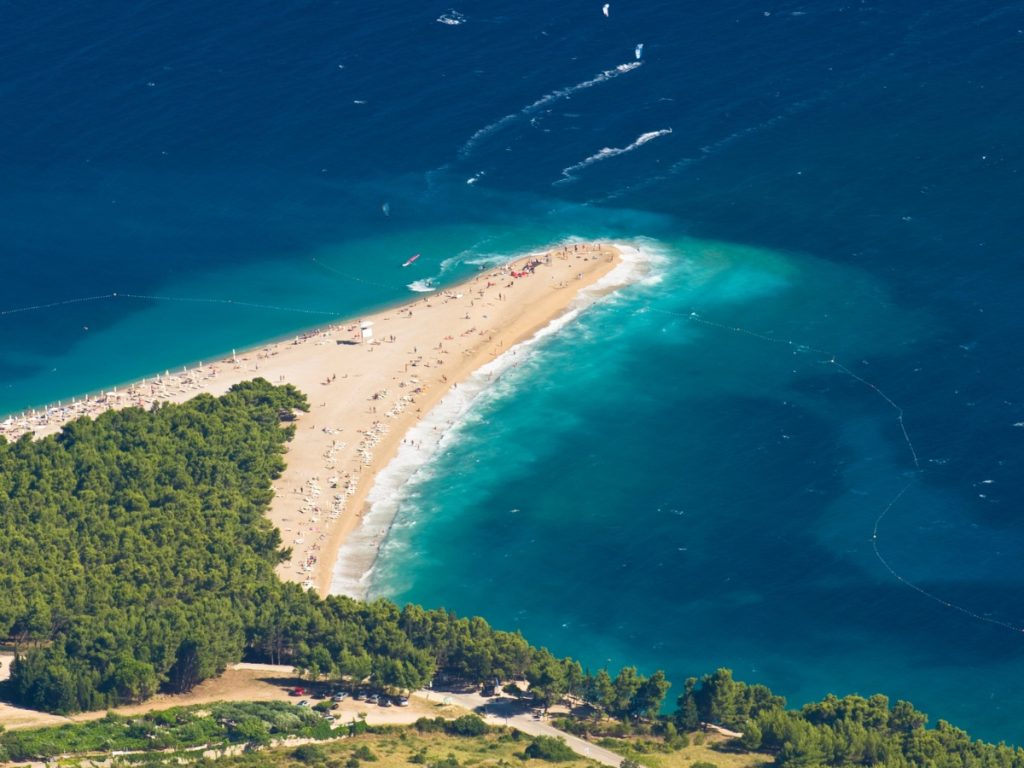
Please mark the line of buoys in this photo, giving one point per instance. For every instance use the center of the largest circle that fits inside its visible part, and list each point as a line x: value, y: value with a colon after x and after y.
x: 231, y: 302
x: 53, y: 304
x: 179, y: 299
x: 921, y: 590
x: 830, y: 360
x: 363, y: 280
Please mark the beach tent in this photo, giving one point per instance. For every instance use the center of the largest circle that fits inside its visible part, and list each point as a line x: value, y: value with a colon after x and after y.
x: 366, y: 330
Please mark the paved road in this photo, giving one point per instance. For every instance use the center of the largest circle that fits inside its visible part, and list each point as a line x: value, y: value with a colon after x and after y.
x: 506, y: 711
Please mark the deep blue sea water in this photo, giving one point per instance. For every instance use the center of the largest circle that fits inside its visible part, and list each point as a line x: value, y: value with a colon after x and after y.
x: 654, y: 486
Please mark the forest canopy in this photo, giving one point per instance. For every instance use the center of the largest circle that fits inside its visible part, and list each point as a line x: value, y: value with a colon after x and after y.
x: 135, y: 546
x: 137, y: 557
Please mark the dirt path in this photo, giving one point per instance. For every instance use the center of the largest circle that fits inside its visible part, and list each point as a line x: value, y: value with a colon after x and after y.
x: 241, y: 682
x: 269, y: 682
x: 502, y: 710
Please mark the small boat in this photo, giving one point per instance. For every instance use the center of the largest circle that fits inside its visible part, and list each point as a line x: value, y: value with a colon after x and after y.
x: 639, y: 51
x: 410, y: 260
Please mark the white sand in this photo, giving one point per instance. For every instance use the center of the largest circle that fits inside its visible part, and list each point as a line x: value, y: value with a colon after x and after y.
x: 365, y: 397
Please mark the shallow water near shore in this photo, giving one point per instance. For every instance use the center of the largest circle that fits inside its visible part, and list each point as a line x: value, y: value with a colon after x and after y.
x: 650, y: 485
x: 691, y: 475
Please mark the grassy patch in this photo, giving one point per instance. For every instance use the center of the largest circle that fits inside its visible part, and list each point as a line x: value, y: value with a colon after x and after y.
x: 652, y: 754
x: 431, y: 750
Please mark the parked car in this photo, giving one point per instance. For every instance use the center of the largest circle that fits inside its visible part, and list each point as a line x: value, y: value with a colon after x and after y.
x: 373, y: 698
x: 304, y: 703
x: 297, y: 692
x: 339, y: 696
x: 385, y: 701
x: 402, y: 701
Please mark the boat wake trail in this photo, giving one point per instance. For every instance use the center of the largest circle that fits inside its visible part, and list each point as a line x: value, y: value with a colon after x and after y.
x: 707, y: 151
x: 543, y: 101
x: 569, y: 174
x: 452, y: 18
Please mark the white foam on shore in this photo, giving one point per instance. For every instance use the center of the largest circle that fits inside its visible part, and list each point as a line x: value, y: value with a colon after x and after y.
x: 641, y: 264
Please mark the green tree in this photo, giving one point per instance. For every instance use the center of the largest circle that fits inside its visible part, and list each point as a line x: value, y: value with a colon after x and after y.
x: 687, y: 715
x: 751, y: 738
x: 600, y: 690
x: 625, y: 688
x: 547, y: 679
x: 650, y: 695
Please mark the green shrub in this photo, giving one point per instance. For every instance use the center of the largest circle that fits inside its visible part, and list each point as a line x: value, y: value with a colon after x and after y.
x: 430, y: 724
x: 358, y: 727
x: 448, y: 762
x: 251, y: 730
x: 550, y: 749
x: 615, y: 728
x: 467, y: 725
x: 364, y: 753
x: 571, y: 725
x: 309, y: 753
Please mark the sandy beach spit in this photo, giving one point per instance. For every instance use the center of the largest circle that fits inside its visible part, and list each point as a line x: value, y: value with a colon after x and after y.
x: 366, y: 391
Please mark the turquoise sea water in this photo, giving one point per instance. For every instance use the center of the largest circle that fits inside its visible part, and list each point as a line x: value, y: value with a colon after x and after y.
x: 648, y: 485
x: 711, y: 485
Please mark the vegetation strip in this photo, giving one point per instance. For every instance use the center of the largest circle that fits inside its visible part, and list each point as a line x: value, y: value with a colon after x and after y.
x: 138, y: 558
